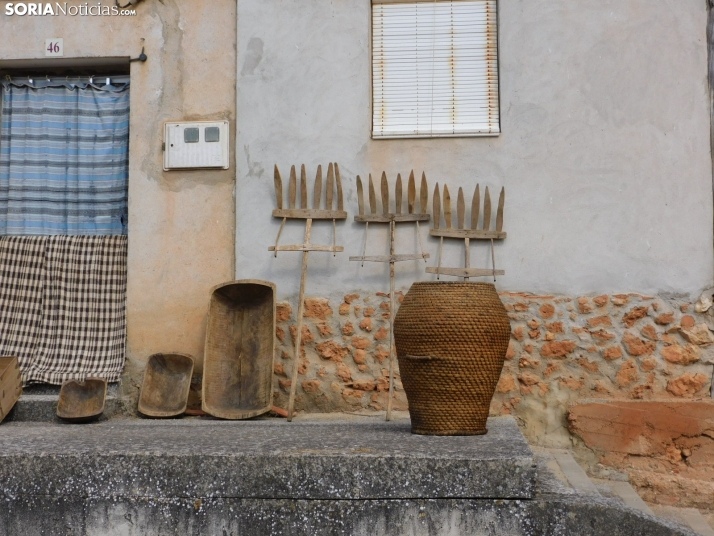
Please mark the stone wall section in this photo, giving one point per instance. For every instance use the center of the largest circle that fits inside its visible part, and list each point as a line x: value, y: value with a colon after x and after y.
x: 622, y: 346
x: 344, y: 363
x: 563, y: 349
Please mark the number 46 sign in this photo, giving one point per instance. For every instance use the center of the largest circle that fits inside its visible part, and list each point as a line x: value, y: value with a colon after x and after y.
x: 54, y: 47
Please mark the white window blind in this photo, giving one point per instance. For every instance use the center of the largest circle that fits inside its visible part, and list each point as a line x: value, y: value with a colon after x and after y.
x: 434, y: 68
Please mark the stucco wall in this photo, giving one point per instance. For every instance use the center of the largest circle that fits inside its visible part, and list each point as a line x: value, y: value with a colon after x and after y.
x: 604, y: 152
x: 181, y: 224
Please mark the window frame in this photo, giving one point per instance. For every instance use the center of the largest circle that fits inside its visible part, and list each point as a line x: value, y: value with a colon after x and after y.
x: 370, y: 49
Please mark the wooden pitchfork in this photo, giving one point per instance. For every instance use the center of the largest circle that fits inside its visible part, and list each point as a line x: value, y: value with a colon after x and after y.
x: 307, y: 214
x: 392, y: 218
x: 474, y: 233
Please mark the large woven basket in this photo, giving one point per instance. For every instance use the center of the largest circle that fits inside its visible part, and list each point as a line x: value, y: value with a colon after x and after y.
x: 451, y: 341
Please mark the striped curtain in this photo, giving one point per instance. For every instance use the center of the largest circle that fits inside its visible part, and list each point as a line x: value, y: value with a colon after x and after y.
x: 64, y: 156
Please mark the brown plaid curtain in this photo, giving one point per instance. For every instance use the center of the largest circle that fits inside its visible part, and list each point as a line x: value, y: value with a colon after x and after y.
x: 62, y: 306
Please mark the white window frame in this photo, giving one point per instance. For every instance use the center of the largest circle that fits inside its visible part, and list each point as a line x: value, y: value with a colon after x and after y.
x: 493, y: 126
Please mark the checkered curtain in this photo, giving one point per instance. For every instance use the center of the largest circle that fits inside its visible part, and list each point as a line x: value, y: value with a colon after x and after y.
x: 62, y: 306
x: 64, y: 159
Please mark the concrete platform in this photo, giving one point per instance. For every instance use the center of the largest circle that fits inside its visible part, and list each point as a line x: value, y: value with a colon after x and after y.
x: 38, y: 403
x: 263, y: 459
x: 270, y: 477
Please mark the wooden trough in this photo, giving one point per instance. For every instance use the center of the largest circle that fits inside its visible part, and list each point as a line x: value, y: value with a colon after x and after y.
x: 82, y: 401
x: 167, y: 380
x: 10, y: 384
x: 239, y: 351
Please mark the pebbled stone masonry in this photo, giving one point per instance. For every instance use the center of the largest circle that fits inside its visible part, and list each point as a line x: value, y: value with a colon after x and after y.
x: 562, y: 349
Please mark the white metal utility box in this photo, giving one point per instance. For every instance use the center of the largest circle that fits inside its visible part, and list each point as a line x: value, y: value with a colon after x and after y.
x: 196, y: 145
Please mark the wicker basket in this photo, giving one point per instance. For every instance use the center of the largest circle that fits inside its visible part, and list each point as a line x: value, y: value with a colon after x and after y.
x: 451, y: 341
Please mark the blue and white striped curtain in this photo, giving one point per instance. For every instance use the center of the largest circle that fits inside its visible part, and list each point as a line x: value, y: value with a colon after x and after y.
x: 64, y: 160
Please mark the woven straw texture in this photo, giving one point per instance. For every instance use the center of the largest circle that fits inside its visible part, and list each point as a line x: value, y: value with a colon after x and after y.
x: 451, y: 341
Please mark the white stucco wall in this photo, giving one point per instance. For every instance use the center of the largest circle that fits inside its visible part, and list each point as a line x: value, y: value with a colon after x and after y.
x: 604, y: 152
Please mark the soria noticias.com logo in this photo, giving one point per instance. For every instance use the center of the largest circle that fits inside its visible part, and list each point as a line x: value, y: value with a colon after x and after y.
x: 47, y: 9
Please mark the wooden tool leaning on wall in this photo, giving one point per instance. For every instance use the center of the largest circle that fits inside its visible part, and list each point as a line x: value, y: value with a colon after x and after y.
x: 392, y: 218
x: 474, y: 233
x: 308, y: 214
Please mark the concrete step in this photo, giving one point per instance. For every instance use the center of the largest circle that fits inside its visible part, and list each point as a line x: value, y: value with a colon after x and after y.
x: 38, y: 403
x: 629, y: 496
x: 305, y: 460
x: 569, y: 472
x: 575, y: 474
x: 688, y: 516
x: 266, y: 477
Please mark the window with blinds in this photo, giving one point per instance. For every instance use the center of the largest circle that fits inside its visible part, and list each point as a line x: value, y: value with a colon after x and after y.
x: 434, y: 68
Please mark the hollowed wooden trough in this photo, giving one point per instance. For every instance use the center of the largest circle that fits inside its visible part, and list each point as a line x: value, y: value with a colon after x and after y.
x: 167, y: 380
x: 240, y: 345
x: 82, y: 401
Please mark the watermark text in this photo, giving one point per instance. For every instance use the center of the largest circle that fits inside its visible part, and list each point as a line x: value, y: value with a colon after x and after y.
x: 42, y: 9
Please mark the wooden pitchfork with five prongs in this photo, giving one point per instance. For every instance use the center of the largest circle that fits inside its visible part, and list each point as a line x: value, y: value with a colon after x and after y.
x: 307, y: 214
x: 392, y: 218
x: 474, y: 233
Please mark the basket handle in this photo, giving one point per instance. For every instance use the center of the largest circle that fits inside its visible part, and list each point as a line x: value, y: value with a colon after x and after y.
x: 422, y: 358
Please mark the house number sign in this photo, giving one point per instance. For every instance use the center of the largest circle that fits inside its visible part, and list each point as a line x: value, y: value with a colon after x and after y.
x: 54, y: 47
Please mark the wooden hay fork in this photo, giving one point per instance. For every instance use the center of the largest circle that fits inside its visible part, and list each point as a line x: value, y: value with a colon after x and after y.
x: 307, y: 214
x: 392, y: 218
x: 474, y: 233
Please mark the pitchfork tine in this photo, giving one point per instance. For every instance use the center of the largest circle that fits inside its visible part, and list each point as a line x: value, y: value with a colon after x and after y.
x: 486, y: 210
x: 499, y: 214
x: 340, y: 199
x: 360, y: 196
x: 423, y: 194
x: 372, y: 196
x: 317, y: 193
x: 475, y: 208
x: 330, y: 187
x: 411, y: 193
x: 292, y: 188
x: 398, y: 191
x: 385, y: 194
x: 303, y: 187
x: 277, y: 179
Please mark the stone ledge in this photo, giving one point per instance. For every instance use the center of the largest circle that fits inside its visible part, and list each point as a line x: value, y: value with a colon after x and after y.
x: 262, y: 459
x: 195, y: 476
x: 38, y: 403
x: 43, y: 409
x: 398, y: 517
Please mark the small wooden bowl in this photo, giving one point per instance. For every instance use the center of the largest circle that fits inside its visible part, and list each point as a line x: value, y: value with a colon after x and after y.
x: 82, y: 401
x: 167, y: 380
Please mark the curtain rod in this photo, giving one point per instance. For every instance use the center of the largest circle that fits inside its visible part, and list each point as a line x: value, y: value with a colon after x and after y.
x: 47, y: 78
x: 109, y: 82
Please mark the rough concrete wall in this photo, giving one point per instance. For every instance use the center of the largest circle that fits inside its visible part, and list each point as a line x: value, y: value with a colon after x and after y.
x: 604, y: 152
x: 181, y: 224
